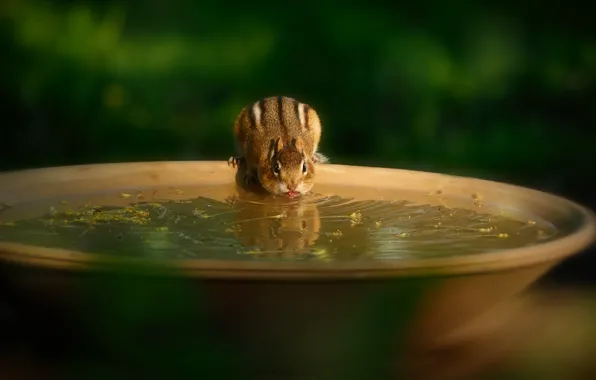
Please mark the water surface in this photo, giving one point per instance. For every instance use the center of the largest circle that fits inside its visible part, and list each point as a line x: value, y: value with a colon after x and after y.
x: 187, y: 223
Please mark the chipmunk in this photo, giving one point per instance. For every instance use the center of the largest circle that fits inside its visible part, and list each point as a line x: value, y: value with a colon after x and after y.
x: 277, y: 139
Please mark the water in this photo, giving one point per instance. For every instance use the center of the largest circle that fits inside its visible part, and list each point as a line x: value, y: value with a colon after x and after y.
x: 187, y: 223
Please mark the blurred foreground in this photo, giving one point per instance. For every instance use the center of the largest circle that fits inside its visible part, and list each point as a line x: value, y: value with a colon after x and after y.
x: 501, y: 92
x: 546, y: 334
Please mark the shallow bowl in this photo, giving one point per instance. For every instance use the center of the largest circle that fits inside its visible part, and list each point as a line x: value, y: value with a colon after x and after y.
x: 284, y: 319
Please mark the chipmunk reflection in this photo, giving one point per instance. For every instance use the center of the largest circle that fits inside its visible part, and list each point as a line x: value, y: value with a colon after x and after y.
x: 311, y: 224
x: 278, y: 228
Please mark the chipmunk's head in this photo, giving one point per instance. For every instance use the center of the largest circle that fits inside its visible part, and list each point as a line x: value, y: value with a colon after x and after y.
x: 288, y: 171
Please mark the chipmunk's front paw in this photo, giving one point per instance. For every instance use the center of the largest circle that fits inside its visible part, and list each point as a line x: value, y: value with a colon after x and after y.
x: 250, y: 178
x: 247, y: 180
x: 235, y: 161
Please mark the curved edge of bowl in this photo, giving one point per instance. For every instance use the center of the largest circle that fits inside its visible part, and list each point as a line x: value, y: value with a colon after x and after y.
x: 552, y: 251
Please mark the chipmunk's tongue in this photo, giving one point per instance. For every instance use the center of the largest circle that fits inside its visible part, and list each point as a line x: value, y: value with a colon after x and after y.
x: 293, y: 194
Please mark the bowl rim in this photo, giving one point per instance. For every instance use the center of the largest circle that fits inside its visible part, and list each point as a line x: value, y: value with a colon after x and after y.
x: 541, y: 253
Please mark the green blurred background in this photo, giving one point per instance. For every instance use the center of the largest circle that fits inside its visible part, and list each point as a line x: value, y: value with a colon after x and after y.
x: 498, y: 90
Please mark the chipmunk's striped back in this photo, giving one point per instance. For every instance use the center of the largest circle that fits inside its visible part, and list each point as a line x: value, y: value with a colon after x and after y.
x: 285, y: 115
x: 274, y: 117
x: 277, y: 140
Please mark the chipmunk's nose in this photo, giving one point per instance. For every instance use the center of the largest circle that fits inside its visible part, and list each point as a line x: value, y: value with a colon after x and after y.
x: 292, y: 186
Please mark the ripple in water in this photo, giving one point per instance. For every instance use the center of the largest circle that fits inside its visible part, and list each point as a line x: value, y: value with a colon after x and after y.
x: 244, y: 228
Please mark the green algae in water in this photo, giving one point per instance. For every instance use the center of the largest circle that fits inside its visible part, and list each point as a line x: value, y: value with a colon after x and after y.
x: 315, y: 228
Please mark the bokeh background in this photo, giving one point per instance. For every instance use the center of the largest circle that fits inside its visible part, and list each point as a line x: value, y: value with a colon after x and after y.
x: 497, y: 90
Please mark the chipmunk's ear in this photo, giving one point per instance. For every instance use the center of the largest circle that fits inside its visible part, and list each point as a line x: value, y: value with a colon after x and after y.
x: 279, y: 144
x: 298, y: 144
x: 275, y: 146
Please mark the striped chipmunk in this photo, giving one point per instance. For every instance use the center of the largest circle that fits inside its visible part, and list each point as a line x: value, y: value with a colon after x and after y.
x: 277, y: 139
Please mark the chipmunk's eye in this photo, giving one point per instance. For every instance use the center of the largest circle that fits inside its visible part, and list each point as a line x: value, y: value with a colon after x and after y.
x: 276, y: 168
x: 304, y: 167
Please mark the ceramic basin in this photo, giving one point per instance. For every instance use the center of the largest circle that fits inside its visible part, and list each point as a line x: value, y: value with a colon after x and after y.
x: 278, y: 319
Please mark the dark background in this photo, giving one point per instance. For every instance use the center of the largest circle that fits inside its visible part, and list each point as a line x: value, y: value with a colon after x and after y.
x: 497, y: 90
x: 502, y: 91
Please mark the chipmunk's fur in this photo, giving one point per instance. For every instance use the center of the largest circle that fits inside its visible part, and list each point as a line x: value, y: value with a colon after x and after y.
x: 277, y: 138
